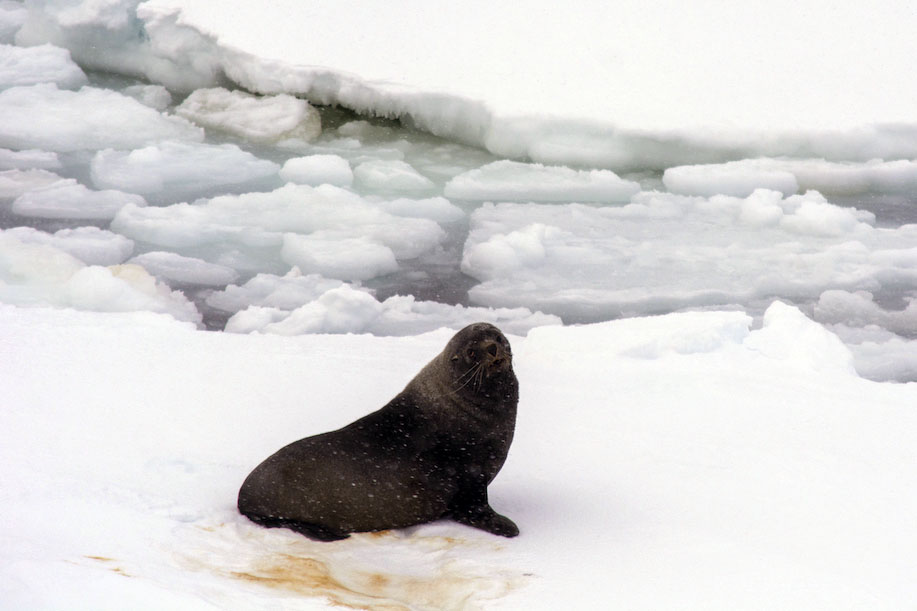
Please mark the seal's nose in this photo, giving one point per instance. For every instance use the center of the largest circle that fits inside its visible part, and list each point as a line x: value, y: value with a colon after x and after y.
x: 498, y: 357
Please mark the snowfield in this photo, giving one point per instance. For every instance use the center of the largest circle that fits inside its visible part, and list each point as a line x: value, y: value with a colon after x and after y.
x: 681, y: 461
x: 227, y: 226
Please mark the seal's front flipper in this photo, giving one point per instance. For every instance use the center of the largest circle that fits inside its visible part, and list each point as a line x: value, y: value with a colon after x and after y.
x: 487, y: 519
x: 312, y: 531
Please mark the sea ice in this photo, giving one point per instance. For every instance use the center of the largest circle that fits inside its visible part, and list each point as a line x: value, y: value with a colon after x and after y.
x: 36, y: 273
x: 28, y: 159
x: 326, y: 226
x: 393, y: 175
x: 256, y: 118
x: 12, y: 16
x: 91, y: 245
x: 51, y: 119
x: 176, y: 269
x: 788, y: 175
x: 268, y: 291
x: 21, y: 66
x: 346, y: 309
x: 318, y: 170
x: 532, y: 182
x: 154, y: 96
x: 14, y: 183
x: 68, y: 199
x: 664, y: 252
x: 171, y: 171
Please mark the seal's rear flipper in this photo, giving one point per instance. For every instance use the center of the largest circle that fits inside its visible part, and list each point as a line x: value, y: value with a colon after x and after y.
x: 312, y: 531
x: 487, y: 519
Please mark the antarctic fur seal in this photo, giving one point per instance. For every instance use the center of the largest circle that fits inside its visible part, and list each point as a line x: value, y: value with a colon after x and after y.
x: 428, y: 454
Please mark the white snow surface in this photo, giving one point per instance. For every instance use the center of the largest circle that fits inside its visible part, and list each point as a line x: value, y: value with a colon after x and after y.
x: 624, y: 84
x: 318, y: 170
x: 679, y: 461
x: 68, y: 199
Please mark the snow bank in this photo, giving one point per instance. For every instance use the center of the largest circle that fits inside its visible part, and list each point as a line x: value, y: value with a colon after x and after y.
x: 323, y: 229
x: 12, y: 17
x: 42, y: 64
x: 595, y: 87
x: 724, y: 451
x: 172, y: 171
x: 527, y: 182
x: 664, y: 252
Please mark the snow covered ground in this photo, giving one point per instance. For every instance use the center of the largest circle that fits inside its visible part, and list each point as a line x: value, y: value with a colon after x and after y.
x: 743, y: 173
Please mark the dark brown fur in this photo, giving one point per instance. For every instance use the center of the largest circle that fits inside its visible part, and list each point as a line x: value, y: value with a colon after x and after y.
x: 429, y: 453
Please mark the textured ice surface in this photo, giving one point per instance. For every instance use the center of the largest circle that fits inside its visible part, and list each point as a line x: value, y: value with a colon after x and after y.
x: 176, y: 269
x: 28, y: 159
x: 255, y: 118
x: 391, y: 176
x: 68, y: 199
x: 740, y: 178
x: 171, y: 171
x: 21, y: 66
x: 14, y: 183
x: 667, y: 251
x: 318, y: 170
x: 37, y: 273
x: 321, y: 229
x: 91, y: 245
x: 154, y: 96
x: 532, y: 182
x: 12, y: 16
x: 348, y: 310
x: 51, y: 119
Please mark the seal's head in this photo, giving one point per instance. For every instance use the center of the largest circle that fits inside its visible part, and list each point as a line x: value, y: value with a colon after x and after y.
x: 479, y: 358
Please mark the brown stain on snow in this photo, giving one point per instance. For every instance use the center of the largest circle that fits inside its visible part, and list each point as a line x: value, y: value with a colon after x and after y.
x: 105, y: 560
x: 448, y: 587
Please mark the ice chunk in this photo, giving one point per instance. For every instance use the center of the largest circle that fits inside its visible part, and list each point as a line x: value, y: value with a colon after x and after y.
x: 40, y: 274
x: 438, y: 209
x: 336, y: 227
x: 258, y: 118
x: 91, y: 245
x: 789, y: 336
x: 286, y: 292
x: 389, y: 176
x: 20, y: 66
x: 68, y: 199
x: 859, y: 309
x: 14, y: 183
x: 51, y: 119
x: 171, y: 171
x: 347, y: 309
x: 12, y: 16
x: 30, y: 159
x: 154, y: 96
x: 741, y: 177
x: 738, y: 179
x: 664, y: 252
x: 532, y: 182
x: 176, y: 269
x: 317, y: 170
x: 347, y: 259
